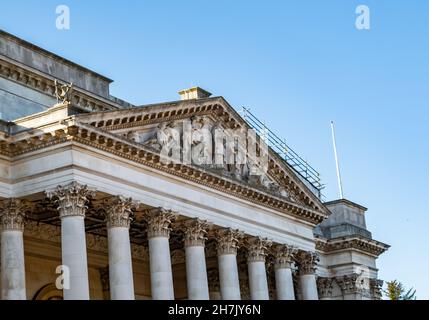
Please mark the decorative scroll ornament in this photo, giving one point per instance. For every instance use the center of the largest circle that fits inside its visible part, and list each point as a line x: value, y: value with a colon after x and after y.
x: 195, y: 232
x: 284, y: 255
x: 202, y: 141
x: 307, y: 262
x: 71, y: 199
x: 159, y: 221
x: 227, y: 241
x: 119, y: 211
x: 257, y: 249
x: 63, y: 92
x: 12, y: 214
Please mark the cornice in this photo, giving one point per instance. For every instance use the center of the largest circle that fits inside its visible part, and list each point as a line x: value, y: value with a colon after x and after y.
x: 369, y: 246
x: 44, y: 83
x: 111, y: 143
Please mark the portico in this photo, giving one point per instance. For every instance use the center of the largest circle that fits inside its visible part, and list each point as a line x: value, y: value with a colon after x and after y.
x: 84, y: 184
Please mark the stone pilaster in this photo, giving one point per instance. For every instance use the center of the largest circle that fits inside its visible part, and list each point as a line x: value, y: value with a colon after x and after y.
x: 325, y: 287
x: 354, y: 286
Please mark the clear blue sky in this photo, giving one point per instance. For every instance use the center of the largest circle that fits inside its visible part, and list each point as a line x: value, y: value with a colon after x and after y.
x: 297, y: 65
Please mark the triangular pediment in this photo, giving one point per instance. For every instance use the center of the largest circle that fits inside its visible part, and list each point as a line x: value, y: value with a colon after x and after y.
x: 189, y: 130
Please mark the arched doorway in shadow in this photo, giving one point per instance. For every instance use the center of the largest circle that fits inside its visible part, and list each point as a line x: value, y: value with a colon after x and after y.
x: 49, y: 292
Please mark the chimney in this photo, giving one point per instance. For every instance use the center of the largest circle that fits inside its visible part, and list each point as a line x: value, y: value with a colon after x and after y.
x: 194, y: 93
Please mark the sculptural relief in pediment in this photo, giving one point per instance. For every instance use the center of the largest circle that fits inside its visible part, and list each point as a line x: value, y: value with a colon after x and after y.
x: 235, y: 153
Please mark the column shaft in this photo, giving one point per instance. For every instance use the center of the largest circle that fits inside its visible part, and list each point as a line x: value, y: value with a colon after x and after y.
x: 308, y: 287
x: 196, y: 273
x: 72, y: 200
x: 12, y: 220
x: 73, y: 248
x: 161, y: 275
x: 12, y: 265
x: 284, y: 284
x: 258, y: 280
x: 120, y: 264
x: 228, y: 277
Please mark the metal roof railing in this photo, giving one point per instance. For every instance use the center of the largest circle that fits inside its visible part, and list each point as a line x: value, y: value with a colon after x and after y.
x: 301, y: 166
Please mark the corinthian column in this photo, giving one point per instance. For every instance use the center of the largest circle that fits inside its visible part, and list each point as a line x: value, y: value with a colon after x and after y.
x: 161, y: 276
x: 284, y: 255
x: 118, y: 220
x: 71, y: 202
x: 12, y: 216
x: 256, y: 252
x: 307, y: 262
x: 196, y: 271
x: 227, y: 257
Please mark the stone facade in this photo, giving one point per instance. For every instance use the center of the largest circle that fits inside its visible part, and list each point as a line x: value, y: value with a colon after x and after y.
x: 94, y: 198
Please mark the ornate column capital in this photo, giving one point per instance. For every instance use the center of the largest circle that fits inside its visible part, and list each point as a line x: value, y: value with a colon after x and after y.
x: 195, y: 232
x: 119, y: 211
x: 325, y: 287
x: 375, y: 286
x: 13, y: 214
x: 355, y: 283
x: 307, y: 262
x: 257, y: 248
x: 284, y: 255
x: 71, y: 199
x: 348, y: 283
x: 159, y: 221
x: 227, y: 241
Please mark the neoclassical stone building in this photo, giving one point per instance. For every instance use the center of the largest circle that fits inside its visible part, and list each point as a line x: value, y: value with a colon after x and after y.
x: 89, y: 209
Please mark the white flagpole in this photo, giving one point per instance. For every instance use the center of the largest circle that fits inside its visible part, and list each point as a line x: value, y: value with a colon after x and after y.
x: 340, y: 186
